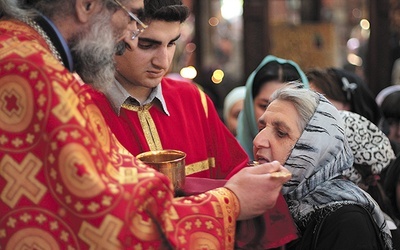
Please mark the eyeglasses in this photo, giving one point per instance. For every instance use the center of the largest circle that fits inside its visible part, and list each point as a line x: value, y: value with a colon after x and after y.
x: 133, y: 17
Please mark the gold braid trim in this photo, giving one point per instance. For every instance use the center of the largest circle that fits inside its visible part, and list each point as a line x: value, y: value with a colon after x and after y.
x: 229, y: 207
x: 204, y: 101
x: 148, y: 126
x: 200, y: 166
x: 154, y: 141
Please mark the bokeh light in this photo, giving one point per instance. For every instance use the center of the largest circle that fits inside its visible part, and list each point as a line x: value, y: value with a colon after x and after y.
x: 188, y: 72
x: 213, y: 21
x: 217, y: 76
x: 354, y: 59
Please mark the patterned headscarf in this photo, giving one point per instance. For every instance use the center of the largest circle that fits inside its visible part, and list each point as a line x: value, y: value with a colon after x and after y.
x: 319, y: 157
x: 247, y: 128
x: 369, y: 145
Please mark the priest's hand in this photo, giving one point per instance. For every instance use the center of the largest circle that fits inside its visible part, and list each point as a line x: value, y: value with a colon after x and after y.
x: 258, y: 187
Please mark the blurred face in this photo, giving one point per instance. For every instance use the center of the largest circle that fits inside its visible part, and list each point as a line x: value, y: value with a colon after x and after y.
x: 261, y: 101
x: 94, y: 61
x: 279, y: 132
x: 338, y: 105
x: 394, y: 130
x: 150, y: 60
x: 231, y: 122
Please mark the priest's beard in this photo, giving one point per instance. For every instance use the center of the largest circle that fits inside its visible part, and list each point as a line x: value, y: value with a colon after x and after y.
x: 93, y: 52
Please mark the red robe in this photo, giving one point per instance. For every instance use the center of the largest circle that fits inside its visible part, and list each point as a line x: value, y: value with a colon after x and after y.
x: 196, y: 129
x: 193, y: 127
x: 67, y: 183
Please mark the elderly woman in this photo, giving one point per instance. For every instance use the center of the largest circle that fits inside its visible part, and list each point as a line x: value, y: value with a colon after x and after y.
x: 305, y: 133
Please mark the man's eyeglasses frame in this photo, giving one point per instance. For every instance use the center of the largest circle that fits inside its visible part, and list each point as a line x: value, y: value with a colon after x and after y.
x: 133, y: 17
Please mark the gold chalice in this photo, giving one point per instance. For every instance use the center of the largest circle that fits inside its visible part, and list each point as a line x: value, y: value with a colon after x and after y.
x: 169, y: 162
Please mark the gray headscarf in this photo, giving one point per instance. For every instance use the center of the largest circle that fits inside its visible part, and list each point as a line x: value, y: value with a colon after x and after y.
x: 320, y: 156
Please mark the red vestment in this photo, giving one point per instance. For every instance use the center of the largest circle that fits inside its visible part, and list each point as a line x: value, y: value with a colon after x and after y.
x: 193, y: 127
x: 67, y: 183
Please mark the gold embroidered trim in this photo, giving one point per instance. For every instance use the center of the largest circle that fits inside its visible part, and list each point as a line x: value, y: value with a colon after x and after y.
x: 148, y: 126
x: 153, y: 139
x: 227, y: 208
x: 204, y: 101
x: 200, y: 166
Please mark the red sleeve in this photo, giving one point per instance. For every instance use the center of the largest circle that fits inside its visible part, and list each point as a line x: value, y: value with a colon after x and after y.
x: 68, y: 183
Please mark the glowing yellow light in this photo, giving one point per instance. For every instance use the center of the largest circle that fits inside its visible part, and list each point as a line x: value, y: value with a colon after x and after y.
x: 217, y: 76
x: 213, y: 21
x: 216, y: 81
x: 364, y: 23
x: 218, y: 73
x: 354, y: 59
x: 188, y: 72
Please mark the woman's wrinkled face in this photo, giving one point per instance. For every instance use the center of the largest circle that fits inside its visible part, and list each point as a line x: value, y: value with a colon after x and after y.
x: 262, y: 100
x: 279, y: 132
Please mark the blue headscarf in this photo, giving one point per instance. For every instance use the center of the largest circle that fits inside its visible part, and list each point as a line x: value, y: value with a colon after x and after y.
x: 247, y: 126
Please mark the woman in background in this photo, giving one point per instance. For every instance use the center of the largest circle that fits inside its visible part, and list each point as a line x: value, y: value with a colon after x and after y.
x: 233, y: 105
x: 389, y: 102
x: 270, y: 75
x: 372, y: 155
x: 346, y: 91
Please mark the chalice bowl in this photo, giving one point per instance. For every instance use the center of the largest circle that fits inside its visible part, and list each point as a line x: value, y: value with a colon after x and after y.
x: 169, y: 162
